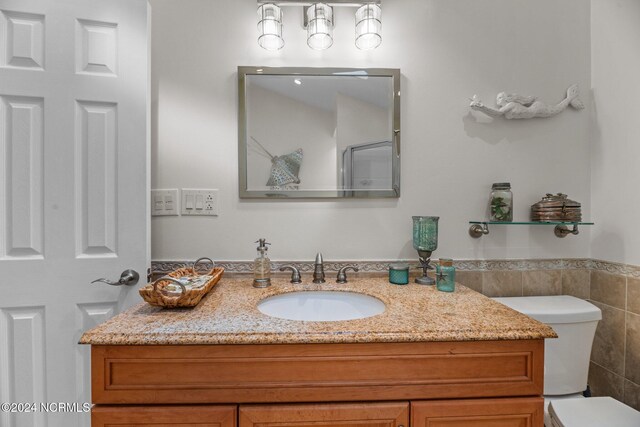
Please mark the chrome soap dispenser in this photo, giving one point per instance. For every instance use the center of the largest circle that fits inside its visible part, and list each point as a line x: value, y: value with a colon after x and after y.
x: 262, y: 266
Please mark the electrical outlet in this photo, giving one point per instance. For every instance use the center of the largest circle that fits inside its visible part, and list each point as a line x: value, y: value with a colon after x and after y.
x: 165, y: 202
x: 198, y: 202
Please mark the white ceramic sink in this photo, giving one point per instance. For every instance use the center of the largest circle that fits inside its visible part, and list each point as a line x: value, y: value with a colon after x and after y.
x: 321, y: 306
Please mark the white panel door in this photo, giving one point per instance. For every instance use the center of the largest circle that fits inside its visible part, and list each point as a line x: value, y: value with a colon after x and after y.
x: 73, y: 190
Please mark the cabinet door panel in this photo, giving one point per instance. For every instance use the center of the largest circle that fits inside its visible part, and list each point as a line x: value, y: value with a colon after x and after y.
x: 164, y: 416
x: 388, y: 414
x: 522, y: 412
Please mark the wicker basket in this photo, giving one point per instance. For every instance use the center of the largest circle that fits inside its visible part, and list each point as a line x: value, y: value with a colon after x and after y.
x: 154, y: 295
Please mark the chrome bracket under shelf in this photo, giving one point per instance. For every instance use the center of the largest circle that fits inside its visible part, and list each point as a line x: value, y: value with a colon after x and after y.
x: 563, y: 231
x: 480, y: 228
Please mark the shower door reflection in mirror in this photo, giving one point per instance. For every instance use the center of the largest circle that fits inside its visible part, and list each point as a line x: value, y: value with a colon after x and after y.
x: 309, y: 132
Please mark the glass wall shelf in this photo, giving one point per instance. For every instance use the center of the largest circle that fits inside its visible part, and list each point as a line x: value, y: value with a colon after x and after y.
x: 561, y: 229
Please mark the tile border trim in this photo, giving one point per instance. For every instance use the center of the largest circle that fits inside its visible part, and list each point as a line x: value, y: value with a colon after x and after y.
x: 627, y: 270
x: 380, y: 266
x: 159, y: 266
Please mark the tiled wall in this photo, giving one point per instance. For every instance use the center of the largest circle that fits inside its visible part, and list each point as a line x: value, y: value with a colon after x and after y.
x: 615, y: 358
x: 614, y: 288
x: 505, y: 283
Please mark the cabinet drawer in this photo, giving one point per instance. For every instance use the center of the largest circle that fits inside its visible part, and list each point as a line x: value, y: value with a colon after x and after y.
x: 385, y: 414
x: 519, y: 412
x: 315, y: 372
x: 164, y: 416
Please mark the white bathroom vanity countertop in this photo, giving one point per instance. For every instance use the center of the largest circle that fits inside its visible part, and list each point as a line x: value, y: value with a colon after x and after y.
x: 229, y: 315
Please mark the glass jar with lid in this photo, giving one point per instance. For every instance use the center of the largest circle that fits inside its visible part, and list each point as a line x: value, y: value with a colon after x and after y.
x: 501, y: 202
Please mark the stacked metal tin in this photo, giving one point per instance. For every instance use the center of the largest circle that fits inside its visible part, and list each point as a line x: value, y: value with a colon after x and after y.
x: 556, y: 207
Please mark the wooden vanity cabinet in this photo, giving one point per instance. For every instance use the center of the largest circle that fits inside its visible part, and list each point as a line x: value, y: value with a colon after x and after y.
x: 521, y: 412
x: 373, y: 414
x: 164, y: 416
x: 518, y: 412
x: 448, y: 384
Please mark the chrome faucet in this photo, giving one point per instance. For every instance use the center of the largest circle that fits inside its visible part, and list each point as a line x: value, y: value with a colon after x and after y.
x: 295, y: 273
x: 342, y: 273
x: 318, y: 270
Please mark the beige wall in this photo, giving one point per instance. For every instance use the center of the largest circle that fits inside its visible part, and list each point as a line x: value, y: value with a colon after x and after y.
x: 615, y: 65
x: 615, y: 145
x: 447, y: 51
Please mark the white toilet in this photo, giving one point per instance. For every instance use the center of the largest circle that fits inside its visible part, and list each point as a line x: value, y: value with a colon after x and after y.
x: 566, y: 363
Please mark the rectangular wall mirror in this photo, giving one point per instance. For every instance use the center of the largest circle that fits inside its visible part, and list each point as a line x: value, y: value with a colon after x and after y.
x: 319, y: 132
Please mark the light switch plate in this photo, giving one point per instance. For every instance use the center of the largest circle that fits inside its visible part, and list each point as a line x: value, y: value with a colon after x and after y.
x: 165, y: 202
x: 199, y: 202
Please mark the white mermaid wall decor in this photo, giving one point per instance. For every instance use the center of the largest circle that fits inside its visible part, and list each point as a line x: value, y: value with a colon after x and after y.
x: 515, y: 106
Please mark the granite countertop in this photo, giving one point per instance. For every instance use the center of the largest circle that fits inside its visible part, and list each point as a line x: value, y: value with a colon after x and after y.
x: 228, y: 315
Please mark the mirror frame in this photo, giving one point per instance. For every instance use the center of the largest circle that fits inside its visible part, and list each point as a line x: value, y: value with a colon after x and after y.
x: 244, y: 71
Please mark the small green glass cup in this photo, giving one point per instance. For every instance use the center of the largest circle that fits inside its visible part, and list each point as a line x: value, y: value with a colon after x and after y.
x: 399, y: 273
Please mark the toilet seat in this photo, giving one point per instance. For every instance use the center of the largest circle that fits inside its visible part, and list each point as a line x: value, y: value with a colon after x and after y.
x: 592, y: 412
x: 549, y: 399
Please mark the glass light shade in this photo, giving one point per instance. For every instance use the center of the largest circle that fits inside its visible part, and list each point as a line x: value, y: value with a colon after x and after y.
x: 320, y: 26
x: 270, y: 27
x: 368, y: 27
x: 425, y: 233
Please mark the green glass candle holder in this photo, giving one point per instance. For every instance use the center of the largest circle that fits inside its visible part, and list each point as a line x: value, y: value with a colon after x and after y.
x: 446, y: 275
x: 399, y: 273
x: 425, y: 241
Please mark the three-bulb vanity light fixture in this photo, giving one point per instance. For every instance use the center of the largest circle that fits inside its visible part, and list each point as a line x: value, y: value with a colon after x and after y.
x: 318, y: 20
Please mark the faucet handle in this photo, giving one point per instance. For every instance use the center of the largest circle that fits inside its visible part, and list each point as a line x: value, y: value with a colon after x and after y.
x: 295, y: 273
x: 342, y: 273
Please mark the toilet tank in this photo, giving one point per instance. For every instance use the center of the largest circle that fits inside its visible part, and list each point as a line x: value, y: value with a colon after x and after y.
x: 566, y: 358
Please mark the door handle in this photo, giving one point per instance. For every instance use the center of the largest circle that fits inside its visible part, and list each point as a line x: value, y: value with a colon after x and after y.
x: 127, y: 278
